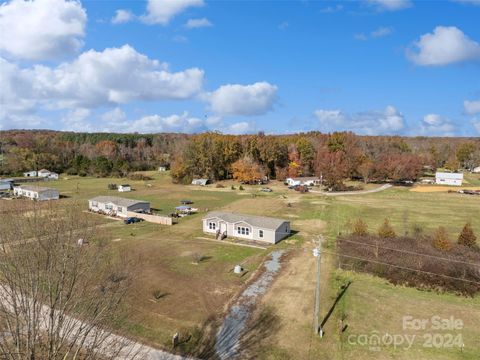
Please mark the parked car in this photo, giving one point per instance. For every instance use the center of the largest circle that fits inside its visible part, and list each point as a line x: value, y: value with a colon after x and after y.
x: 266, y: 189
x: 132, y: 220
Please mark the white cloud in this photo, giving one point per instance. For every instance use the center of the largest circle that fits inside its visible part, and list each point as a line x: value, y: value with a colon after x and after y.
x: 390, y: 5
x: 476, y: 125
x: 375, y: 34
x: 239, y: 128
x: 113, y: 76
x: 446, y: 45
x: 198, y: 23
x: 122, y: 16
x: 471, y: 107
x: 332, y: 9
x: 436, y: 125
x: 387, y: 121
x: 248, y: 100
x: 42, y: 29
x: 162, y: 11
x: 382, y: 31
x: 75, y: 120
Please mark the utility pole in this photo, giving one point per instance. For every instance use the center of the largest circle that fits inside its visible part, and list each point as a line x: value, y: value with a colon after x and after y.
x: 317, y: 252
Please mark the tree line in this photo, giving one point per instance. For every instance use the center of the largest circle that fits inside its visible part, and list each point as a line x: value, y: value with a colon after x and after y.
x: 335, y: 157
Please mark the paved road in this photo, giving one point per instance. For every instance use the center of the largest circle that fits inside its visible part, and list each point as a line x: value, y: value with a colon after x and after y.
x: 361, y: 192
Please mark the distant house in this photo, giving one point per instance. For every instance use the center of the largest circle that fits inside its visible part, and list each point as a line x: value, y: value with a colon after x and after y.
x: 36, y: 192
x: 124, y: 188
x: 163, y: 168
x: 308, y: 181
x: 117, y: 206
x: 444, y: 178
x: 47, y: 174
x: 32, y: 173
x: 5, y: 185
x: 200, y: 182
x: 250, y: 227
x: 476, y: 170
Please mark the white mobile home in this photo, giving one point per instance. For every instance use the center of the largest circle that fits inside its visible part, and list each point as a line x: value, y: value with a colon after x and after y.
x: 5, y: 185
x: 47, y: 174
x: 476, y: 170
x: 200, y: 182
x: 117, y: 206
x: 124, y: 188
x: 308, y: 181
x: 250, y: 227
x: 444, y: 178
x: 36, y: 192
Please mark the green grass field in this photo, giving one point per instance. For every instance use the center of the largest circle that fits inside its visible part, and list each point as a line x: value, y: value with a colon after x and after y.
x: 195, y: 292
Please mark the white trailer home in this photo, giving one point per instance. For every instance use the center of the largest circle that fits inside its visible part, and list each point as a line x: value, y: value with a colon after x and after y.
x: 308, y: 181
x: 32, y: 173
x: 250, y: 227
x: 117, y: 206
x: 444, y: 178
x: 36, y: 192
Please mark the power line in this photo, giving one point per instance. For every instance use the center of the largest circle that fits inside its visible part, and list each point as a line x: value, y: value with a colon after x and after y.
x: 410, y: 252
x: 402, y: 267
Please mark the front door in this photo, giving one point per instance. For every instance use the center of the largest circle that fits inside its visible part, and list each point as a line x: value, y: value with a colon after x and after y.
x: 223, y: 228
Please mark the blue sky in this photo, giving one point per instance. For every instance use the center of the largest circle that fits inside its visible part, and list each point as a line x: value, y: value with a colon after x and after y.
x: 373, y: 67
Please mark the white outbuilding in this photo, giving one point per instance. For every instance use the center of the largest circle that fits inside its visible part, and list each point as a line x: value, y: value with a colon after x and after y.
x: 445, y: 178
x: 249, y: 227
x: 307, y: 181
x: 32, y: 173
x: 124, y: 188
x: 476, y: 170
x: 36, y: 192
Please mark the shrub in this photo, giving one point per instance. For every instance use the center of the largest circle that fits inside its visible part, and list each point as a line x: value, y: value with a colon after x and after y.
x: 112, y: 186
x: 233, y: 187
x: 219, y: 186
x: 241, y: 187
x: 386, y: 230
x: 197, y: 257
x: 467, y: 237
x: 417, y: 230
x: 137, y: 176
x: 440, y: 239
x: 360, y: 228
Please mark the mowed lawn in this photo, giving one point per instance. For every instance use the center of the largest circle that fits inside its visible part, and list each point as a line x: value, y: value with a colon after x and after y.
x: 164, y: 256
x: 372, y: 305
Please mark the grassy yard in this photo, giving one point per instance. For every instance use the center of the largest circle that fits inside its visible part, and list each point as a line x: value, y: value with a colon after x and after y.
x: 193, y: 293
x: 370, y: 305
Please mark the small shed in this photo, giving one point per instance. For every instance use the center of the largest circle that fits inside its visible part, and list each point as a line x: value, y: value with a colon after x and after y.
x: 124, y: 188
x: 32, y: 173
x: 200, y: 182
x: 476, y: 170
x: 163, y: 168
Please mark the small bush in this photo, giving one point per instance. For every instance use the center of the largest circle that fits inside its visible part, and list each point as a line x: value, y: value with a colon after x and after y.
x: 233, y: 188
x: 440, y: 239
x: 241, y: 187
x: 467, y: 237
x: 417, y: 230
x: 219, y: 186
x: 360, y: 228
x: 197, y: 257
x: 112, y: 186
x: 386, y: 230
